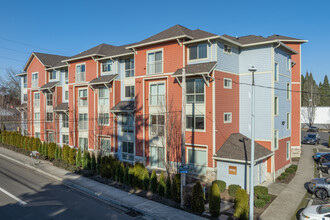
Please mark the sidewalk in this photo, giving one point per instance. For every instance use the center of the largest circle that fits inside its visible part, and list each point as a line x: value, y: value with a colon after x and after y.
x: 148, y: 208
x: 286, y: 203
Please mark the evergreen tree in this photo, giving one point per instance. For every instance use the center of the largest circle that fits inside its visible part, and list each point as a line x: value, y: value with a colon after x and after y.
x: 325, y: 92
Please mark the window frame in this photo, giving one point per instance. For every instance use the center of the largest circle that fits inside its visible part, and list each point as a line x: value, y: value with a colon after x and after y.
x: 276, y: 71
x: 34, y: 117
x: 288, y: 150
x: 50, y: 75
x: 66, y: 97
x: 224, y: 117
x: 224, y: 83
x: 194, y: 93
x: 34, y: 82
x: 196, y: 164
x: 83, y: 124
x: 197, y: 51
x: 103, y: 121
x: 130, y: 92
x: 162, y: 61
x: 126, y: 153
x: 65, y: 121
x: 288, y: 63
x: 288, y: 121
x: 158, y: 94
x: 78, y: 73
x: 105, y: 63
x: 276, y: 140
x: 288, y: 92
x: 158, y: 166
x: 105, y: 99
x: 66, y: 77
x: 36, y: 104
x: 125, y: 127
x: 224, y: 49
x: 157, y: 125
x: 131, y: 70
x: 25, y: 99
x: 48, y: 134
x: 84, y: 138
x: 81, y: 99
x: 48, y: 118
x: 66, y: 143
x: 49, y: 102
x: 25, y: 81
x: 108, y: 150
x: 194, y: 122
x: 276, y: 106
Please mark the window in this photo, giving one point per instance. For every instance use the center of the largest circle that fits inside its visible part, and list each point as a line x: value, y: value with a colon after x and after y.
x: 227, y: 83
x: 25, y: 97
x: 197, y: 159
x: 157, y: 156
x: 51, y: 137
x: 80, y: 73
x: 227, y: 117
x: 52, y: 75
x: 195, y: 122
x: 276, y: 72
x: 276, y: 106
x: 157, y: 94
x: 25, y: 81
x: 276, y: 139
x: 65, y: 120
x: 129, y: 67
x: 37, y: 117
x: 288, y: 124
x: 83, y: 121
x: 49, y: 99
x: 105, y: 146
x: 65, y: 139
x: 155, y: 62
x: 288, y: 91
x: 66, y: 77
x: 227, y: 48
x: 66, y: 95
x: 34, y: 80
x: 37, y: 134
x: 288, y: 63
x: 104, y: 97
x: 107, y: 66
x: 83, y: 144
x: 157, y: 125
x: 195, y: 91
x: 288, y: 150
x: 36, y: 100
x: 127, y: 123
x: 129, y: 92
x: 198, y: 52
x: 103, y: 119
x: 128, y: 151
x: 49, y: 116
x: 83, y: 97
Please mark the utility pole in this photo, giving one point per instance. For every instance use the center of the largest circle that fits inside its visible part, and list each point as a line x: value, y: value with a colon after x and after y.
x: 183, y: 134
x: 252, y: 70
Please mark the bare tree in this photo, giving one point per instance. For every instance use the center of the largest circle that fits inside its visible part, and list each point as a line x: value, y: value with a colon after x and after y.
x: 311, y: 97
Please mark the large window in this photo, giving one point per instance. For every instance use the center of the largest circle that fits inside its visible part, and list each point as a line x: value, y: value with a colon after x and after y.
x: 104, y: 97
x: 288, y: 150
x: 80, y: 73
x: 157, y: 156
x: 276, y: 72
x: 105, y: 146
x: 195, y: 122
x: 198, y: 160
x: 288, y: 121
x: 83, y: 121
x: 276, y: 139
x: 129, y: 92
x: 49, y: 99
x: 195, y: 91
x: 157, y: 125
x: 103, y: 119
x: 288, y: 91
x: 227, y: 117
x: 25, y: 81
x: 198, y: 52
x: 127, y: 123
x: 155, y: 62
x: 65, y: 139
x: 34, y: 80
x: 128, y: 151
x: 157, y: 94
x: 52, y: 75
x: 83, y: 97
x: 107, y: 66
x: 36, y: 100
x: 129, y: 67
x: 65, y: 121
x: 83, y: 144
x: 276, y: 106
x: 49, y: 116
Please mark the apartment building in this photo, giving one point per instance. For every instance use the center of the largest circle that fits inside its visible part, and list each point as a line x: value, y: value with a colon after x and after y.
x: 126, y: 101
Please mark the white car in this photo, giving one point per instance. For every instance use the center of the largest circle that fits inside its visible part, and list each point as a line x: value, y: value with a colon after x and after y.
x: 316, y: 212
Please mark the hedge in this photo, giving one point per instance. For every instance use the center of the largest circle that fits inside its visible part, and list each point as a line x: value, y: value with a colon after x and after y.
x: 146, y: 180
x: 232, y: 189
x: 78, y: 158
x: 65, y: 153
x: 138, y: 175
x: 266, y: 198
x: 290, y: 170
x: 72, y: 156
x: 168, y: 187
x: 241, y: 204
x: 176, y: 188
x: 93, y: 163
x: 283, y: 176
x: 293, y: 166
x: 259, y: 203
x: 197, y: 203
x: 221, y: 185
x: 260, y: 190
x: 214, y: 200
x: 161, y: 184
x: 153, y: 182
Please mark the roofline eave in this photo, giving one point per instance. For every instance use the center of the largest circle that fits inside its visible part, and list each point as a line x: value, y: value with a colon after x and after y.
x: 82, y: 57
x: 57, y: 67
x: 115, y: 56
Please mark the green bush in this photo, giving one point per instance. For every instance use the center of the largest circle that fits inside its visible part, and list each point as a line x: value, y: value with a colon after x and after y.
x: 72, y: 155
x: 168, y: 187
x: 78, y: 158
x: 98, y: 163
x: 290, y: 170
x: 153, y: 182
x: 241, y: 205
x: 197, y: 203
x: 86, y: 161
x: 293, y: 166
x: 138, y: 175
x: 214, y: 200
x: 51, y: 150
x: 105, y: 167
x: 126, y: 175
x: 121, y: 172
x: 176, y: 188
x: 93, y: 163
x: 45, y: 148
x: 146, y: 180
x: 232, y: 189
x: 266, y: 198
x: 221, y: 185
x: 161, y: 184
x: 259, y: 203
x: 65, y: 153
x: 131, y: 176
x: 260, y: 190
x: 283, y: 176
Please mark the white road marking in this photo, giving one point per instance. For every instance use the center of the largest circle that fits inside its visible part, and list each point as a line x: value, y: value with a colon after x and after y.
x: 12, y: 196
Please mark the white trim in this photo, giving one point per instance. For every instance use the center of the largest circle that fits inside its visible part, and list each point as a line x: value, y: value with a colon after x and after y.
x: 246, y: 74
x: 196, y: 145
x: 288, y: 91
x: 296, y: 83
x: 213, y: 117
x: 281, y: 74
x: 157, y: 83
x: 201, y: 149
x: 231, y: 83
x: 154, y: 51
x: 159, y: 41
x: 200, y: 40
x: 277, y: 137
x: 225, y: 52
x: 231, y: 118
x: 79, y: 58
x: 276, y: 101
x: 276, y: 72
x: 79, y: 64
x: 115, y: 56
x: 286, y: 150
x: 288, y: 122
x: 198, y: 59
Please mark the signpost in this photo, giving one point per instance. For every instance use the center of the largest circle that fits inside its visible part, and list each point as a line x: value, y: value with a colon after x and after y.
x: 184, y: 169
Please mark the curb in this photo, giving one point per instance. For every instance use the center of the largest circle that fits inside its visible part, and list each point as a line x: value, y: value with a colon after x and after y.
x: 84, y: 190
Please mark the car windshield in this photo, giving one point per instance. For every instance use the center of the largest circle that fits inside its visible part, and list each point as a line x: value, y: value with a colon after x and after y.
x: 322, y: 209
x: 312, y: 136
x: 327, y: 180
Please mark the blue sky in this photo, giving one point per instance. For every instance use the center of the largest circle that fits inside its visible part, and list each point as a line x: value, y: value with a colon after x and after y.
x: 69, y: 27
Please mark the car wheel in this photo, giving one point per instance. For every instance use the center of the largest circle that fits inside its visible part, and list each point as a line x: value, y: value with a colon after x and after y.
x: 321, y: 193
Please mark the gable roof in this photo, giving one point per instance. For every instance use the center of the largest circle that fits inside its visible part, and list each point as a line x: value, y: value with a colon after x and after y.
x: 196, y: 69
x: 48, y: 60
x: 49, y: 85
x: 99, y: 50
x: 124, y: 106
x: 103, y: 79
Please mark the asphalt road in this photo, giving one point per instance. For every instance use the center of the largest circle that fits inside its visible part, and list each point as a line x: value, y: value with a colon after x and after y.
x: 26, y: 194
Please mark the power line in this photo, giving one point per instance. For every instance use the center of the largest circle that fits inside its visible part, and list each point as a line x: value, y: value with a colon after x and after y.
x: 18, y: 51
x: 8, y: 58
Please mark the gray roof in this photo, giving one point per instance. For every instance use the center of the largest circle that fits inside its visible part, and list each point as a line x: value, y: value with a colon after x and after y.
x: 235, y: 149
x: 250, y: 39
x: 49, y: 85
x: 195, y: 69
x: 103, y: 79
x: 101, y: 49
x: 50, y: 60
x: 63, y: 107
x: 124, y: 106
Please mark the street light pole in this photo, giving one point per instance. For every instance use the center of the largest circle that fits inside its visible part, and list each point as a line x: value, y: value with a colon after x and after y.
x: 252, y: 70
x: 183, y: 134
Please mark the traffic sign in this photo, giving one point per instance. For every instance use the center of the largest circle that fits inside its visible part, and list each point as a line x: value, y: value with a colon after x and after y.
x: 184, y: 169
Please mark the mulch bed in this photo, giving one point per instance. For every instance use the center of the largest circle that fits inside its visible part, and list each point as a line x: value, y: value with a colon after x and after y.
x: 288, y: 179
x: 258, y: 212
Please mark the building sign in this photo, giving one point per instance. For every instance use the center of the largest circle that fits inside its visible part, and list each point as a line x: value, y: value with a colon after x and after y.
x: 233, y: 170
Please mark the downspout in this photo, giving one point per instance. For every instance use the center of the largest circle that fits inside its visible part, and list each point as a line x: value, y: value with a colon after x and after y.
x: 113, y: 118
x: 74, y: 116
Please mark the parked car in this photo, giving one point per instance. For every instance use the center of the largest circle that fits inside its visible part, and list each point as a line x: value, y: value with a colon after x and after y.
x: 318, y: 155
x: 316, y: 212
x: 313, y: 129
x: 324, y: 159
x: 325, y: 167
x: 320, y: 186
x: 311, y: 139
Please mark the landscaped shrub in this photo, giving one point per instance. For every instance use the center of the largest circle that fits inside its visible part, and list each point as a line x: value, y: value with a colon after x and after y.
x: 131, y: 176
x: 214, y: 200
x: 266, y: 198
x: 241, y: 205
x: 65, y: 153
x: 161, y: 184
x: 260, y: 190
x: 259, y: 203
x: 126, y: 176
x: 168, y: 187
x: 289, y: 170
x: 176, y: 188
x: 153, y: 182
x: 221, y: 185
x: 93, y: 163
x: 283, y: 176
x: 293, y: 166
x: 51, y: 150
x: 121, y: 172
x: 117, y: 171
x: 72, y: 154
x: 78, y: 158
x: 105, y: 167
x: 146, y: 180
x: 86, y: 162
x: 98, y: 163
x: 232, y: 189
x: 138, y: 175
x: 197, y: 203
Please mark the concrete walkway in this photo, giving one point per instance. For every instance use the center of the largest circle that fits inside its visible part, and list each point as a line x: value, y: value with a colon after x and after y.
x: 286, y: 203
x: 148, y: 208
